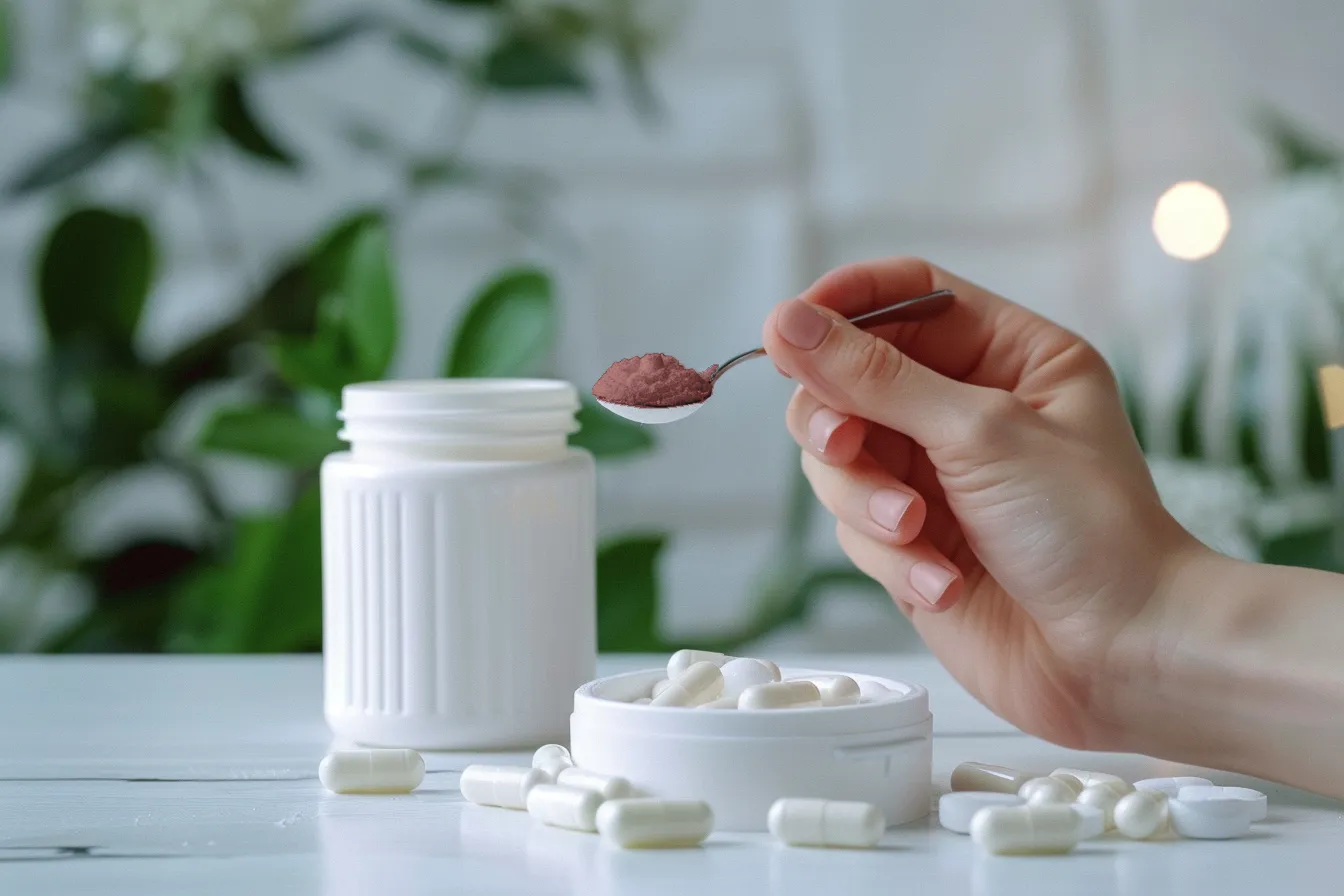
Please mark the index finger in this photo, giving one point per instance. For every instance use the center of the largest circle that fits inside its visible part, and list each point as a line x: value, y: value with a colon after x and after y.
x: 979, y: 325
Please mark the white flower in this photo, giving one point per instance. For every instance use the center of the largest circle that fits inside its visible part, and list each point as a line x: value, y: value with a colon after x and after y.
x: 1215, y: 504
x: 159, y: 39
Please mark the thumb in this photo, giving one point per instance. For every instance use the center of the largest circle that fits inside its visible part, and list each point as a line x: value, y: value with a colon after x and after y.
x: 860, y: 375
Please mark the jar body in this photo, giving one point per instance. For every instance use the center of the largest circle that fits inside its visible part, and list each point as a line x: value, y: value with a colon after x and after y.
x: 459, y: 598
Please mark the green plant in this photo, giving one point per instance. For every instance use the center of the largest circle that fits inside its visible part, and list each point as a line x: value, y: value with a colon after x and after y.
x: 94, y: 409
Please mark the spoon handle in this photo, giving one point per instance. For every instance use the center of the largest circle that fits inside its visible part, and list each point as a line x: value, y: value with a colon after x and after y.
x: 919, y: 308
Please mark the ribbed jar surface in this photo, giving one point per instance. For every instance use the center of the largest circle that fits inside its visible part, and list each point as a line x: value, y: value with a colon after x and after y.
x: 459, y: 606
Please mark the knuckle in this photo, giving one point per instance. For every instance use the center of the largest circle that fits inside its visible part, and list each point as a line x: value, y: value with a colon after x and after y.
x: 994, y: 418
x: 878, y: 364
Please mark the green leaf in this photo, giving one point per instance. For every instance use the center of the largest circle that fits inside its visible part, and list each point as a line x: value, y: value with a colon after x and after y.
x: 627, y: 594
x: 1190, y: 441
x: 432, y: 172
x: 1315, y: 438
x: 508, y: 328
x: 638, y: 86
x: 371, y: 301
x: 270, y: 433
x: 1295, y: 149
x: 237, y: 121
x: 94, y: 274
x: 70, y: 158
x: 330, y: 35
x: 1312, y: 549
x: 314, y: 362
x: 6, y: 42
x: 329, y: 256
x: 607, y: 435
x: 477, y: 3
x: 524, y: 62
x: 426, y: 50
x: 266, y: 596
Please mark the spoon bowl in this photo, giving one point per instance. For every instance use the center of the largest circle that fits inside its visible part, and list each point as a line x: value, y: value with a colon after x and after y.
x: 918, y: 308
x: 652, y: 416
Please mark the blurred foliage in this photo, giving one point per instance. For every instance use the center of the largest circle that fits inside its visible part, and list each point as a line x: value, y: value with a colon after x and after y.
x: 1296, y: 152
x: 94, y: 408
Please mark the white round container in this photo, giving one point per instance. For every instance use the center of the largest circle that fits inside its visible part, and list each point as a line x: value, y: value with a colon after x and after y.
x: 740, y: 762
x: 458, y: 550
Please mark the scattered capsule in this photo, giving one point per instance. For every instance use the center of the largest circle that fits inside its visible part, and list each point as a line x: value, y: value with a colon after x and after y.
x: 700, y: 683
x: 1091, y: 821
x: 1047, y: 791
x: 955, y: 810
x: 1171, y: 786
x: 658, y: 687
x: 372, y: 771
x: 609, y: 787
x: 742, y: 673
x: 1103, y: 798
x: 1026, y: 830
x: 795, y: 694
x: 837, y: 690
x: 991, y: 778
x: 505, y: 786
x: 1141, y: 814
x: 721, y: 703
x: 652, y: 823
x: 564, y: 807
x: 811, y: 822
x: 642, y: 701
x: 552, y: 759
x: 774, y: 669
x: 1116, y: 783
x: 685, y: 659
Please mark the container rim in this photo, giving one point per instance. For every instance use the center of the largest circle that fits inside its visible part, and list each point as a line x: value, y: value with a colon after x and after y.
x: 391, y: 398
x: 599, y: 701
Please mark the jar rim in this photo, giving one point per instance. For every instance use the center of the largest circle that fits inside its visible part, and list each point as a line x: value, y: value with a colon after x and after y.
x: 445, y: 396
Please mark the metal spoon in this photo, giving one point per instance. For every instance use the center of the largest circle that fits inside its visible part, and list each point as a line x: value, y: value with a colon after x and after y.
x: 919, y: 308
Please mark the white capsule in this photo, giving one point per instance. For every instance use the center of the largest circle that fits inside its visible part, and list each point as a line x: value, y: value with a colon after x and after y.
x: 1171, y: 786
x: 609, y: 787
x: 795, y: 694
x: 1091, y: 821
x: 774, y: 669
x: 1046, y: 792
x: 699, y: 684
x: 564, y: 807
x: 1141, y: 814
x: 642, y: 701
x: 743, y: 673
x: 1103, y: 798
x: 372, y: 771
x: 1071, y: 782
x: 992, y: 778
x: 552, y: 759
x: 505, y: 786
x: 809, y: 822
x: 871, y: 691
x: 651, y: 823
x: 721, y: 703
x: 837, y: 690
x: 955, y: 810
x: 1026, y: 830
x: 1116, y: 783
x: 658, y: 687
x: 685, y: 659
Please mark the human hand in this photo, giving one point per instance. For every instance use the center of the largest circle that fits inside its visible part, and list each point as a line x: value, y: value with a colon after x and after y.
x: 981, y: 468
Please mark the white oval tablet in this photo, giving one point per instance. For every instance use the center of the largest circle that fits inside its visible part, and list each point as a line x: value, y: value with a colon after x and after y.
x: 955, y: 810
x: 1254, y: 803
x: 1209, y: 819
x: 1171, y: 786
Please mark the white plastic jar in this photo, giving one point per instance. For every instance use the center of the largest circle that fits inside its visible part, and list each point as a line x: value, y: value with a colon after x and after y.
x: 458, y: 553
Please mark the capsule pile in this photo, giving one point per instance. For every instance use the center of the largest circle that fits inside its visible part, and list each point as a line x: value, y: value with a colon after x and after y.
x: 1009, y: 812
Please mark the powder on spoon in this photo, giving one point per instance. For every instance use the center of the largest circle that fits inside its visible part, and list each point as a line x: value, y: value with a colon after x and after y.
x: 654, y: 380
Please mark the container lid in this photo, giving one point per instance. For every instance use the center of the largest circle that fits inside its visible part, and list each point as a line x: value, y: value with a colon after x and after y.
x: 604, y: 700
x: 422, y: 398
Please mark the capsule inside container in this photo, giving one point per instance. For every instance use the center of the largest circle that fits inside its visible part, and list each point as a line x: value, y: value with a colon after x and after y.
x: 741, y: 762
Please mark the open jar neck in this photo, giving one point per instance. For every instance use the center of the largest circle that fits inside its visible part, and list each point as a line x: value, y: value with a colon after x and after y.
x: 459, y: 419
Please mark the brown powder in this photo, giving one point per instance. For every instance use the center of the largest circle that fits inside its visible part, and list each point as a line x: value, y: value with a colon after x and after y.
x: 653, y: 381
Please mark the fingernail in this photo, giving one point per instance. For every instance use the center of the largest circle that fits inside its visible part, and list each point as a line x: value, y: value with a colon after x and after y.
x: 822, y: 425
x: 930, y: 581
x: 887, y: 506
x: 802, y: 325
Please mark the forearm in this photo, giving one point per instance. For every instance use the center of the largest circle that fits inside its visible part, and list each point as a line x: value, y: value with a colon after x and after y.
x: 1246, y: 673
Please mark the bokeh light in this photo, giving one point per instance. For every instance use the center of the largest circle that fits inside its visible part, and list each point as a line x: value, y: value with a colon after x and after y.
x: 1190, y: 221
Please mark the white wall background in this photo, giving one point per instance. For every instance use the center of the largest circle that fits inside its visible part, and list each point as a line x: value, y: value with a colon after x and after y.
x: 1020, y: 143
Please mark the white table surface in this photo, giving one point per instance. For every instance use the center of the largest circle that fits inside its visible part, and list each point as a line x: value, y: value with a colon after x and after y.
x: 198, y: 776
